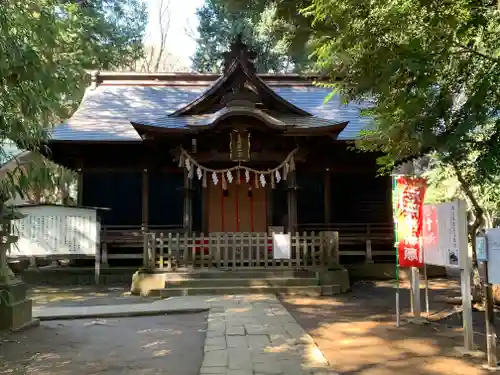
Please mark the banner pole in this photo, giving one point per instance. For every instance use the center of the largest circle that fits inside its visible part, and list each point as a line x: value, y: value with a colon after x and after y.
x: 394, y: 204
x: 426, y: 281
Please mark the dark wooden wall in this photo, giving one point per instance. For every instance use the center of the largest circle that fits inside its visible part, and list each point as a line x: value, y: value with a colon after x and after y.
x: 121, y: 192
x: 354, y: 198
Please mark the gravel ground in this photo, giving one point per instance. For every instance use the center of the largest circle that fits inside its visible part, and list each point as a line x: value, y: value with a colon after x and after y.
x: 168, y: 345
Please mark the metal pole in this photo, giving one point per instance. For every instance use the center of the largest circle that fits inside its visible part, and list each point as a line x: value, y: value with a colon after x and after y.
x: 394, y: 203
x: 426, y: 281
x: 398, y: 313
x: 415, y: 279
x: 491, y: 336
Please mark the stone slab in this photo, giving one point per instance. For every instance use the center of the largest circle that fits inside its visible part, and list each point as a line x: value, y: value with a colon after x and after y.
x: 261, y: 338
x: 235, y: 331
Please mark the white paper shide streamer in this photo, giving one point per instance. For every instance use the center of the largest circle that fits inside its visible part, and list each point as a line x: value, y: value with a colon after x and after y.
x: 262, y: 177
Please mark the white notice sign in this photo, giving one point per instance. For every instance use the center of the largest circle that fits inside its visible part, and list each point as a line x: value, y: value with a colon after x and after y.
x: 281, y: 246
x: 493, y: 236
x: 444, y: 234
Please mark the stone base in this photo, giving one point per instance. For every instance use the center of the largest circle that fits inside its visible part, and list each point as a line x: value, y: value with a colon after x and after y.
x: 15, y: 308
x: 387, y: 271
x: 338, y: 277
x: 143, y: 282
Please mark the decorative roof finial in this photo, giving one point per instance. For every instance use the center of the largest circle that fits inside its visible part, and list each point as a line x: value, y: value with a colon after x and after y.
x: 239, y: 51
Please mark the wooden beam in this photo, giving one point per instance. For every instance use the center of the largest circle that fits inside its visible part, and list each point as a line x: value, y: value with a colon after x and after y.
x: 131, y: 169
x: 263, y: 156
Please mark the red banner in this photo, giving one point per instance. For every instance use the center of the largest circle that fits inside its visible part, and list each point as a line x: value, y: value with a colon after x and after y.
x: 410, y: 193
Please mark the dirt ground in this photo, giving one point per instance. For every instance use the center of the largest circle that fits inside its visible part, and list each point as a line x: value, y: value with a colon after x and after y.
x: 168, y: 345
x: 357, y: 332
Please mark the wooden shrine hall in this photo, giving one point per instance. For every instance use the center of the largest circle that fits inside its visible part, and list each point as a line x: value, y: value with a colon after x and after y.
x: 205, y: 167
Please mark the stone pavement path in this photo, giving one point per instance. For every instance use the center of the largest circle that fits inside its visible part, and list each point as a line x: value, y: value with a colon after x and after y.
x: 246, y: 335
x: 256, y: 335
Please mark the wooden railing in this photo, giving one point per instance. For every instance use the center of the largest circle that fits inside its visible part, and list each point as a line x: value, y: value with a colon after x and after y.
x: 360, y: 239
x: 128, y: 236
x: 239, y: 250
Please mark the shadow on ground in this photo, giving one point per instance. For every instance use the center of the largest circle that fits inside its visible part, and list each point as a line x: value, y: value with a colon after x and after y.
x: 169, y: 344
x: 83, y: 296
x: 357, y: 334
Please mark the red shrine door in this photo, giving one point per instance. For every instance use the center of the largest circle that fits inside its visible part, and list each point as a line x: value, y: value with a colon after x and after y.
x: 240, y: 208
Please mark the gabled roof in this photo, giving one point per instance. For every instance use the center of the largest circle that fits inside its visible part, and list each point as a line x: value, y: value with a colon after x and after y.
x: 106, y: 111
x: 187, y: 106
x: 239, y: 71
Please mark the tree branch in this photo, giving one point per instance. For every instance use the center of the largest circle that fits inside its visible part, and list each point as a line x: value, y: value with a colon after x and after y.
x: 465, y: 49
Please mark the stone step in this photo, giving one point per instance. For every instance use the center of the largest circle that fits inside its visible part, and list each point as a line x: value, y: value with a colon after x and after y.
x: 248, y: 282
x: 308, y: 290
x: 236, y: 274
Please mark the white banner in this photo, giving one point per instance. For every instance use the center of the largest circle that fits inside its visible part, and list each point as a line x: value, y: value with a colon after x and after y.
x: 444, y: 234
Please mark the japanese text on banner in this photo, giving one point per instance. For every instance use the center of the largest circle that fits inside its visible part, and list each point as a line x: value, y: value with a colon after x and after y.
x: 410, y: 194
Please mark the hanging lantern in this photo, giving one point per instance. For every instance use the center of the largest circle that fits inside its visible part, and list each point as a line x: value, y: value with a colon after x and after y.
x: 239, y: 146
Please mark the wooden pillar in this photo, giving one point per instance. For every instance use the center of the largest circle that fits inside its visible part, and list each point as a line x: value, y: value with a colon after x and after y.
x: 145, y: 216
x: 79, y: 188
x: 188, y: 203
x: 204, y: 208
x: 292, y: 202
x: 269, y: 206
x: 327, y: 186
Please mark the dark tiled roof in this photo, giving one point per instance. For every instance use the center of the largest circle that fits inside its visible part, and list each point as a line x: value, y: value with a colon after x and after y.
x: 275, y: 119
x: 105, y: 112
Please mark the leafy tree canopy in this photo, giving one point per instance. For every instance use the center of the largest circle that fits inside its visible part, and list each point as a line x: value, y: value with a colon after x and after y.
x: 45, y: 48
x: 265, y: 33
x: 430, y: 68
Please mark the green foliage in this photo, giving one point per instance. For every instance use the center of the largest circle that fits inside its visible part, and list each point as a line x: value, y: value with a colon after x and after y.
x: 45, y: 48
x: 266, y: 34
x: 444, y: 186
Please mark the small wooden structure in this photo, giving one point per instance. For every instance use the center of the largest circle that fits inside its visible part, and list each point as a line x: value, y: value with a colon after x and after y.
x: 230, y: 156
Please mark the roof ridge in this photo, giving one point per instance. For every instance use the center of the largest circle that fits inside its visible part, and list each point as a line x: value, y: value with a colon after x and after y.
x: 107, y: 77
